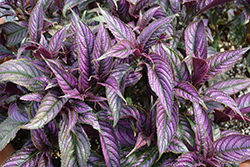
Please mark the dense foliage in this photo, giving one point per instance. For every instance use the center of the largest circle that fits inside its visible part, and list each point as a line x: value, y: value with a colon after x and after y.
x: 142, y: 77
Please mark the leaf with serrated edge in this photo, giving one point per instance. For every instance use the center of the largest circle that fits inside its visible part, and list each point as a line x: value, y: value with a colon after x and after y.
x: 49, y: 108
x: 110, y: 146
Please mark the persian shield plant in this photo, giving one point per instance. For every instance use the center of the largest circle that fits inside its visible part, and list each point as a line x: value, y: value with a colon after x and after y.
x: 131, y: 75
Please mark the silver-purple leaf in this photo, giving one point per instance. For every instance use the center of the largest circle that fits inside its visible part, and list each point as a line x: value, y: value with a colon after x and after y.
x: 166, y: 129
x: 176, y: 5
x: 146, y: 17
x: 56, y: 41
x: 110, y: 146
x: 81, y: 107
x: 121, y: 50
x: 32, y: 97
x: 214, y: 3
x: 232, y: 86
x: 189, y: 92
x: 40, y: 139
x: 102, y: 44
x: 45, y: 160
x: 243, y: 101
x: 8, y: 130
x: 222, y: 61
x: 160, y: 79
x: 232, y: 148
x: 189, y: 159
x: 16, y: 114
x: 74, y: 148
x: 177, y: 146
x: 195, y: 40
x: 133, y: 78
x: 69, y: 4
x: 49, y: 108
x: 90, y: 118
x: 95, y: 160
x: 153, y: 31
x: 22, y: 72
x: 70, y: 118
x: 36, y: 22
x: 120, y: 30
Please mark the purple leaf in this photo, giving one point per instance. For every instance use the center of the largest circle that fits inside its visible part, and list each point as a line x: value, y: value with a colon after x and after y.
x: 95, y: 160
x: 42, y: 52
x: 21, y: 72
x: 89, y: 118
x: 170, y: 161
x: 32, y: 97
x: 121, y: 50
x: 146, y: 17
x: 74, y: 148
x: 8, y: 130
x: 123, y: 7
x: 102, y: 44
x: 14, y: 33
x: 45, y: 160
x: 189, y: 159
x: 56, y: 41
x: 16, y: 114
x: 243, y: 101
x: 66, y: 80
x: 132, y: 78
x: 204, y: 133
x: 49, y: 108
x: 44, y: 42
x: 214, y: 3
x: 178, y: 147
x: 187, y: 91
x: 223, y: 98
x: 153, y: 31
x: 232, y: 148
x: 125, y: 134
x: 176, y: 5
x: 27, y: 156
x: 161, y: 81
x: 166, y: 129
x: 232, y: 86
x: 70, y: 118
x: 222, y: 61
x: 40, y: 140
x: 36, y: 22
x: 85, y: 43
x: 70, y: 4
x: 141, y: 4
x: 120, y: 30
x: 200, y: 68
x: 110, y: 146
x: 81, y: 107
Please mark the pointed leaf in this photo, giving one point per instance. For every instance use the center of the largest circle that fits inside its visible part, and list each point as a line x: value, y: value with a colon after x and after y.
x: 187, y: 91
x: 176, y: 6
x: 56, y: 41
x: 16, y: 114
x: 70, y: 4
x: 14, y: 33
x: 74, y: 149
x: 66, y: 80
x: 232, y: 148
x: 71, y: 119
x: 40, y: 140
x: 32, y: 97
x: 166, y: 129
x: 214, y: 3
x: 49, y: 108
x: 195, y: 40
x: 178, y: 147
x: 232, y: 86
x: 200, y: 68
x: 118, y: 28
x: 161, y: 81
x: 102, y: 44
x: 21, y: 72
x: 89, y: 118
x: 188, y: 159
x: 36, y: 22
x: 146, y: 17
x: 95, y: 160
x: 8, y: 130
x: 153, y: 31
x: 110, y: 146
x: 121, y: 50
x: 222, y: 61
x: 243, y: 101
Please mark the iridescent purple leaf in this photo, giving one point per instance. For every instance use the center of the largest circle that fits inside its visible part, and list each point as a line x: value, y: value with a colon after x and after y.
x: 189, y: 159
x: 85, y: 42
x: 214, y: 3
x: 16, y: 114
x: 146, y: 17
x: 222, y: 61
x: 14, y: 33
x: 176, y: 5
x: 42, y: 52
x: 70, y: 117
x: 232, y: 148
x: 189, y: 92
x: 95, y: 160
x: 178, y: 147
x: 121, y: 50
x: 81, y: 107
x: 74, y: 148
x: 49, y: 108
x: 21, y: 72
x: 133, y: 78
x: 89, y: 118
x: 166, y: 129
x: 67, y: 81
x: 110, y: 146
x: 32, y: 97
x: 243, y: 101
x: 200, y: 68
x: 123, y: 7
x: 141, y: 4
x: 36, y: 22
x: 118, y: 28
x: 56, y: 41
x: 45, y: 160
x: 232, y: 86
x: 25, y: 157
x: 125, y: 134
x: 161, y: 81
x: 102, y: 44
x: 219, y: 96
x: 40, y: 139
x: 69, y: 4
x: 170, y: 161
x: 195, y: 40
x: 153, y: 31
x: 204, y: 133
x: 8, y: 130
